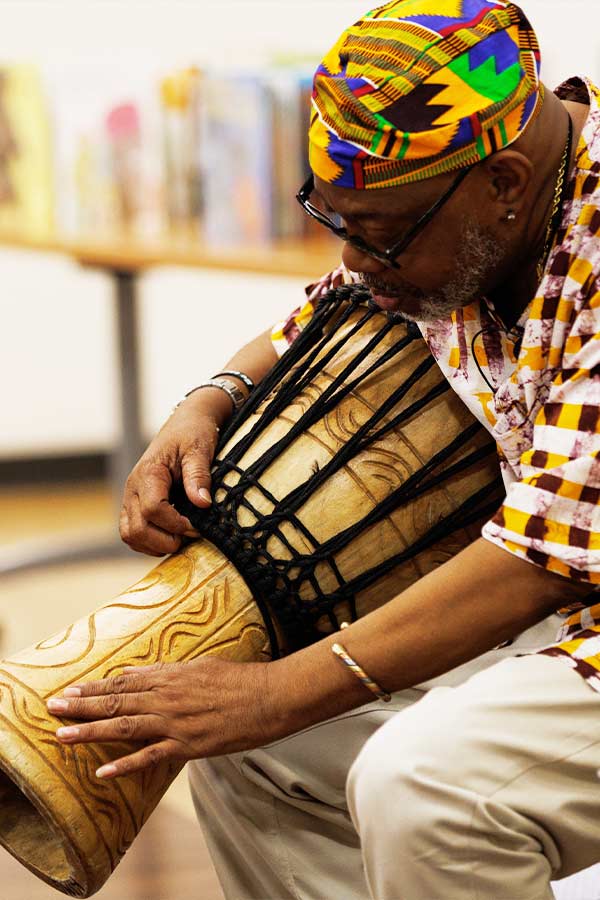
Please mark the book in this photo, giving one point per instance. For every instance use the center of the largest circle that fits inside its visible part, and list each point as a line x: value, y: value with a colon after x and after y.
x: 26, y: 179
x: 236, y: 159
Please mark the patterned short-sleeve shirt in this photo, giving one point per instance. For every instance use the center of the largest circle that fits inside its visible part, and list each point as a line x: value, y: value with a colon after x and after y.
x: 537, y: 390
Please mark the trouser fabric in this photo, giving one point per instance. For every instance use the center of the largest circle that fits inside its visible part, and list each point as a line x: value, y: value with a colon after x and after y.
x: 489, y: 769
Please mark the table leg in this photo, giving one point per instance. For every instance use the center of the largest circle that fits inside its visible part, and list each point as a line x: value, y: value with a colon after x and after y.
x: 131, y: 443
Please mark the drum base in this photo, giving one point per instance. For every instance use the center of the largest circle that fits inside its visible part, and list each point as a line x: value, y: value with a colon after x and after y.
x: 56, y: 817
x: 32, y: 840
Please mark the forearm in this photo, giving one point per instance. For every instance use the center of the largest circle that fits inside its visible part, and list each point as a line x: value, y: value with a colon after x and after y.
x: 479, y: 599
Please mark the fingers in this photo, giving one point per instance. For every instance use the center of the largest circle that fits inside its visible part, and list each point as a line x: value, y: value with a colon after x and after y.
x: 116, y: 709
x: 142, y: 759
x: 145, y: 537
x: 195, y: 468
x: 107, y: 706
x: 123, y: 728
x: 118, y: 684
x: 196, y: 462
x: 152, y: 493
x: 149, y: 523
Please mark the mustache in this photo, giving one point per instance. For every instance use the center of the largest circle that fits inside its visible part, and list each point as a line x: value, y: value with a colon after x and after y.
x: 378, y: 286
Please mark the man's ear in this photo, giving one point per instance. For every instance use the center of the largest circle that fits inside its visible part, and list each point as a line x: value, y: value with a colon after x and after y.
x: 509, y: 174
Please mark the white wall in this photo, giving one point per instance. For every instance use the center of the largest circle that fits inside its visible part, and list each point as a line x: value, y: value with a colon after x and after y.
x: 128, y: 33
x: 58, y: 390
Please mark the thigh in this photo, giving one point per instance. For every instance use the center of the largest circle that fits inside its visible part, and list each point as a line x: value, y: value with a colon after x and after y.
x: 276, y: 820
x: 525, y: 735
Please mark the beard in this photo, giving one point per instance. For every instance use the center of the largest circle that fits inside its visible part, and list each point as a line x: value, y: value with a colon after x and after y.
x: 476, y: 263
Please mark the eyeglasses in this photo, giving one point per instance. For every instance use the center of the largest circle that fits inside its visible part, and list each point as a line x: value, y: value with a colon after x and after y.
x: 385, y: 256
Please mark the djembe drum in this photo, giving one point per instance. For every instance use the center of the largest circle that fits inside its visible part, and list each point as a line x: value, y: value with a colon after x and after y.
x: 351, y: 472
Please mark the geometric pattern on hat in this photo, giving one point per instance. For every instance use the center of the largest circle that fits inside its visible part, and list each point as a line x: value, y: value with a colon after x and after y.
x: 417, y: 88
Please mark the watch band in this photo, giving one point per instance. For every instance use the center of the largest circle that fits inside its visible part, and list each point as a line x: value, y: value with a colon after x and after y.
x: 231, y: 389
x: 245, y: 379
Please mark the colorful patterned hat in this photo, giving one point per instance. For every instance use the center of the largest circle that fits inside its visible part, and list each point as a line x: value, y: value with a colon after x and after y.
x: 420, y: 87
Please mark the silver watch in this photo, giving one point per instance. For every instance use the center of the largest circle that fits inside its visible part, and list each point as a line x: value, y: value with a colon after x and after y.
x: 235, y: 394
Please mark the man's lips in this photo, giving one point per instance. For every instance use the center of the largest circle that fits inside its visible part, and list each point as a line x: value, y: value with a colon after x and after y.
x: 385, y: 296
x: 386, y: 301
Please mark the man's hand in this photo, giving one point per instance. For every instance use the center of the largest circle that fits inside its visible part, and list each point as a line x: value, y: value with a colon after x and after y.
x: 180, y: 711
x: 183, y: 449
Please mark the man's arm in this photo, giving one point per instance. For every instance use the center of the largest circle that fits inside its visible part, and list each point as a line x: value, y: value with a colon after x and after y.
x: 475, y: 601
x: 209, y: 706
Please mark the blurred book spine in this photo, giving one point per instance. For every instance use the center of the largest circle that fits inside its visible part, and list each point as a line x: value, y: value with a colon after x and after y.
x: 236, y: 160
x: 26, y: 179
x: 181, y: 95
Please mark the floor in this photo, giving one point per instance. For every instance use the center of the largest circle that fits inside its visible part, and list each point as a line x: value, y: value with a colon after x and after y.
x: 169, y: 860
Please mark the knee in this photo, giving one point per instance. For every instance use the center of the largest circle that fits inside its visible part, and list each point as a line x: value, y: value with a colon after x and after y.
x: 386, y: 788
x: 371, y: 776
x: 401, y: 793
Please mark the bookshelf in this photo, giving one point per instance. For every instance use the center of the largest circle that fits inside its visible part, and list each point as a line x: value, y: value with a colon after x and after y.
x: 124, y: 260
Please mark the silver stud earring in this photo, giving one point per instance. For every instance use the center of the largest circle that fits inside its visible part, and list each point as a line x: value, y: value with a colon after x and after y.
x: 511, y: 216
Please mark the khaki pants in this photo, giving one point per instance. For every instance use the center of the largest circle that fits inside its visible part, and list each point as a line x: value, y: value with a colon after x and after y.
x: 484, y: 789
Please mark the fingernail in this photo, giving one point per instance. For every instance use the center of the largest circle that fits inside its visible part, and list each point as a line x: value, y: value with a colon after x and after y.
x: 191, y: 534
x: 58, y: 706
x: 106, y: 771
x: 68, y: 732
x: 204, y: 495
x: 72, y: 692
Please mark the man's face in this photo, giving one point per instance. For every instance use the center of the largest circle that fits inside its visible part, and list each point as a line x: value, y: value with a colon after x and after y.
x: 455, y: 260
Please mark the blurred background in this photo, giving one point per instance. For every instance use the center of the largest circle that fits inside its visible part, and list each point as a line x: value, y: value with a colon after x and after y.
x: 149, y: 156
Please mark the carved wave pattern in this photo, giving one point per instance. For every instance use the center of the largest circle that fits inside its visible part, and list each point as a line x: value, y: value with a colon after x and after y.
x: 118, y: 631
x: 50, y: 761
x: 192, y: 619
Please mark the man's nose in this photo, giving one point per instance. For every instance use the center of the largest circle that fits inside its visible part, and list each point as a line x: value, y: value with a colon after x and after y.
x: 358, y: 261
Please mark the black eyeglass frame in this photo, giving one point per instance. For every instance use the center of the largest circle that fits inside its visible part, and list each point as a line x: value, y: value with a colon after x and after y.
x: 390, y: 255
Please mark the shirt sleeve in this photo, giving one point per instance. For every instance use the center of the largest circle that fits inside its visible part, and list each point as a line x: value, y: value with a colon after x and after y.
x: 285, y: 333
x: 551, y: 515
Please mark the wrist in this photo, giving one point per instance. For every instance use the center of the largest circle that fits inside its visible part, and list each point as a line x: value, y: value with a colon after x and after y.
x: 308, y: 687
x: 211, y: 402
x: 229, y: 387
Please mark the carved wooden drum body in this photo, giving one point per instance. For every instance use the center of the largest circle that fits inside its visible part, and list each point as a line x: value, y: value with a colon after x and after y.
x: 351, y: 473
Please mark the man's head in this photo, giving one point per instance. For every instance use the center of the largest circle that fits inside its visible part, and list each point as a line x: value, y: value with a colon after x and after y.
x: 414, y: 95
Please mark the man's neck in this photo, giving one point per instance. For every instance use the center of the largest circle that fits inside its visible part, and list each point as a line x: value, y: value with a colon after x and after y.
x: 512, y: 297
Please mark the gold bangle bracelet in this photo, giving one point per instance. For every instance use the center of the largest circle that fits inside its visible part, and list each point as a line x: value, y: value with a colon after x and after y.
x: 360, y: 673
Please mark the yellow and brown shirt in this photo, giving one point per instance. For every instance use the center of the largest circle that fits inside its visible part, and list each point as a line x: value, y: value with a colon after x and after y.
x: 537, y: 390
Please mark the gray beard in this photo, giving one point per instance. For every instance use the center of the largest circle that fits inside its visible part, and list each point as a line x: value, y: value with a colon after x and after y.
x: 476, y: 261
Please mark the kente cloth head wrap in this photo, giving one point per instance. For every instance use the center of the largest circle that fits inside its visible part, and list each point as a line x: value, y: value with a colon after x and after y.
x: 420, y: 87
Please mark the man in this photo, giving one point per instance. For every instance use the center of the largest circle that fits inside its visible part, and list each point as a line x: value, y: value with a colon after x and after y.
x: 428, y: 112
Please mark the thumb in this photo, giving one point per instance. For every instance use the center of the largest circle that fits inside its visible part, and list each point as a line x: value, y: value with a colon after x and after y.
x: 195, y: 471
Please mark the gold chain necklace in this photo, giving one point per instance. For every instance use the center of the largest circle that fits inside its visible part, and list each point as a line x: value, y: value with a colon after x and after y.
x: 557, y: 204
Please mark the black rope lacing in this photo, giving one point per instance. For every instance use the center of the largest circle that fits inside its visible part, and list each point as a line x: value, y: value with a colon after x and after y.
x: 279, y: 582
